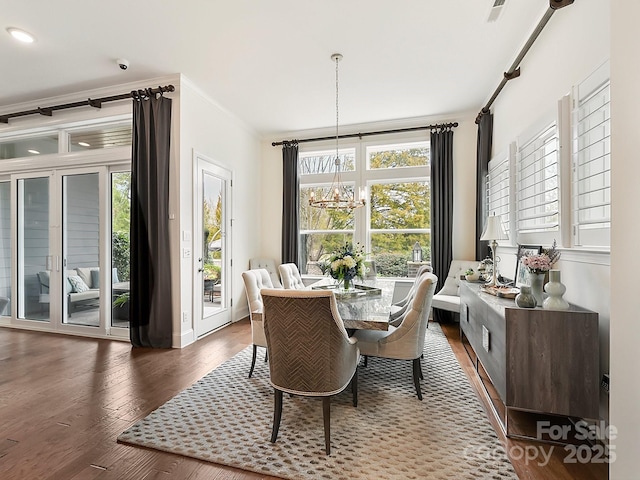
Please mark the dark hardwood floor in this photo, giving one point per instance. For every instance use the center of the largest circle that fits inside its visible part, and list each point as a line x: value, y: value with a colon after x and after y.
x: 64, y: 400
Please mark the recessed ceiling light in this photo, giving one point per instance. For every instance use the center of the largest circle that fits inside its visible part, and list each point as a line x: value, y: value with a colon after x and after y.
x: 35, y: 152
x: 84, y: 144
x: 21, y: 35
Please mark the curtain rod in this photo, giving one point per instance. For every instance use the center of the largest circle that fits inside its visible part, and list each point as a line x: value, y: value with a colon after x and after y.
x: 367, y: 134
x: 514, y: 70
x: 93, y: 102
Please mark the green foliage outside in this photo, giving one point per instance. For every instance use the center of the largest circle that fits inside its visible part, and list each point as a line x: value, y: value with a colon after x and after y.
x: 392, y: 264
x: 212, y: 272
x: 121, y: 254
x: 120, y: 224
x: 397, y: 205
x: 121, y: 202
x: 212, y: 219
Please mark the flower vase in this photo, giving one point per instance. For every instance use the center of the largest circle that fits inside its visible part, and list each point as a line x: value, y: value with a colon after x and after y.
x: 346, y: 283
x: 555, y: 289
x: 536, y: 282
x: 525, y: 298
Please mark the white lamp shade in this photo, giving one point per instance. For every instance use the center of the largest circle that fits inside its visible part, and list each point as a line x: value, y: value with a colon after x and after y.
x: 494, y: 230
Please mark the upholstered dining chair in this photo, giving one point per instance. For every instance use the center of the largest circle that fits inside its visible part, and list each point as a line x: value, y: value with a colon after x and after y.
x: 310, y: 353
x: 370, y: 271
x: 290, y: 276
x: 269, y: 265
x: 406, y: 341
x: 254, y: 280
x: 398, y: 308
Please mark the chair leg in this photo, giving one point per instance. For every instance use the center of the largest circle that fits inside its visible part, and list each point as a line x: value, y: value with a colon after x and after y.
x: 253, y: 359
x: 277, y: 413
x: 266, y: 355
x: 326, y: 415
x: 354, y: 387
x: 416, y: 376
x: 420, y: 367
x: 366, y: 361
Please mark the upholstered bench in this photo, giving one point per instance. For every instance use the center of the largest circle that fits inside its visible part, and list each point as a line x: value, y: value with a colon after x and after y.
x: 448, y: 298
x: 83, y: 285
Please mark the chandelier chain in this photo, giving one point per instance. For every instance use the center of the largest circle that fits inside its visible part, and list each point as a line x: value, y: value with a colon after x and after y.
x: 338, y: 196
x: 337, y: 108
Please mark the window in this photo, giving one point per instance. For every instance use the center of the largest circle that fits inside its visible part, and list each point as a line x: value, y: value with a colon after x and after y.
x: 562, y: 168
x: 591, y: 165
x: 394, y: 176
x: 29, y: 146
x: 537, y: 184
x: 62, y: 140
x: 102, y: 136
x: 498, y: 189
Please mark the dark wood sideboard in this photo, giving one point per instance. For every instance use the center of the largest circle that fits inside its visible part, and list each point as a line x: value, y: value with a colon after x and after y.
x: 537, y: 360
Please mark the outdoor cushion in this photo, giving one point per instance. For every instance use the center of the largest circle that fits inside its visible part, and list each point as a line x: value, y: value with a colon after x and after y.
x: 77, y: 284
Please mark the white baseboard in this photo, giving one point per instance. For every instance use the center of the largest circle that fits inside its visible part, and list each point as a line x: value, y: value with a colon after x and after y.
x: 184, y: 339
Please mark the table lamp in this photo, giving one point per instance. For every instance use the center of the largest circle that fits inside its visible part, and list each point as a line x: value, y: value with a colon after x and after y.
x: 493, y: 231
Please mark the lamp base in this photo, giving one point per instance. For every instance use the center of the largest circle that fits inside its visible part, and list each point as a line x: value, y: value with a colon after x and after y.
x: 493, y: 281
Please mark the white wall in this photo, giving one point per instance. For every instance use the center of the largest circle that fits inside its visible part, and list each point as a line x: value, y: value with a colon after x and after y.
x: 572, y: 45
x: 218, y: 135
x: 625, y: 261
x: 464, y: 152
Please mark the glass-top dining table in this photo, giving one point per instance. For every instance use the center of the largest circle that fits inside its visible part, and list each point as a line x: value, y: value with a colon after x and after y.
x: 366, y: 306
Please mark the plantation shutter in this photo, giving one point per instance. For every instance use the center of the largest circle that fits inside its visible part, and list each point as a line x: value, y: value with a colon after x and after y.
x: 498, y: 180
x: 537, y: 183
x: 591, y: 193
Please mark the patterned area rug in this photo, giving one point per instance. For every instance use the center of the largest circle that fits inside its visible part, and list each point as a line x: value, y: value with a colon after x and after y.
x: 226, y: 418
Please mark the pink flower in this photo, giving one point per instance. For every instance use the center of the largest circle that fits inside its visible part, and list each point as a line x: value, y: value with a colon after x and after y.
x: 537, y: 263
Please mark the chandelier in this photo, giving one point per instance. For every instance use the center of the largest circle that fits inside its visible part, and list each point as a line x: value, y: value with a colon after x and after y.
x: 338, y: 197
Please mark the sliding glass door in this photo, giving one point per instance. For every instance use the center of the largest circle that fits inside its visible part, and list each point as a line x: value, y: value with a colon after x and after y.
x: 35, y: 261
x: 81, y: 229
x: 5, y: 248
x: 63, y: 241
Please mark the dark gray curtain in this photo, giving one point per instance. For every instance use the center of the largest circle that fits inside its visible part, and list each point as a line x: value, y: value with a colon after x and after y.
x: 441, y: 209
x: 483, y: 155
x: 290, y: 204
x: 150, y: 298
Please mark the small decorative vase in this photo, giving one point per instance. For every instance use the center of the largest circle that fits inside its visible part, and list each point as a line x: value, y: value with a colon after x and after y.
x: 525, y: 298
x: 536, y: 282
x: 555, y: 289
x: 346, y: 283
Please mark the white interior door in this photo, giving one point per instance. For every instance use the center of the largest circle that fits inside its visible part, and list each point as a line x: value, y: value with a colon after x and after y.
x: 212, y: 247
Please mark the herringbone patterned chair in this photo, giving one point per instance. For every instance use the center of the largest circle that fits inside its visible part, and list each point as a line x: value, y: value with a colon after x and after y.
x: 254, y: 280
x: 405, y: 342
x: 310, y: 353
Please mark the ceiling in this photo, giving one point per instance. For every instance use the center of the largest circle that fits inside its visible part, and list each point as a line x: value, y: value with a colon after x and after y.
x: 268, y: 62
